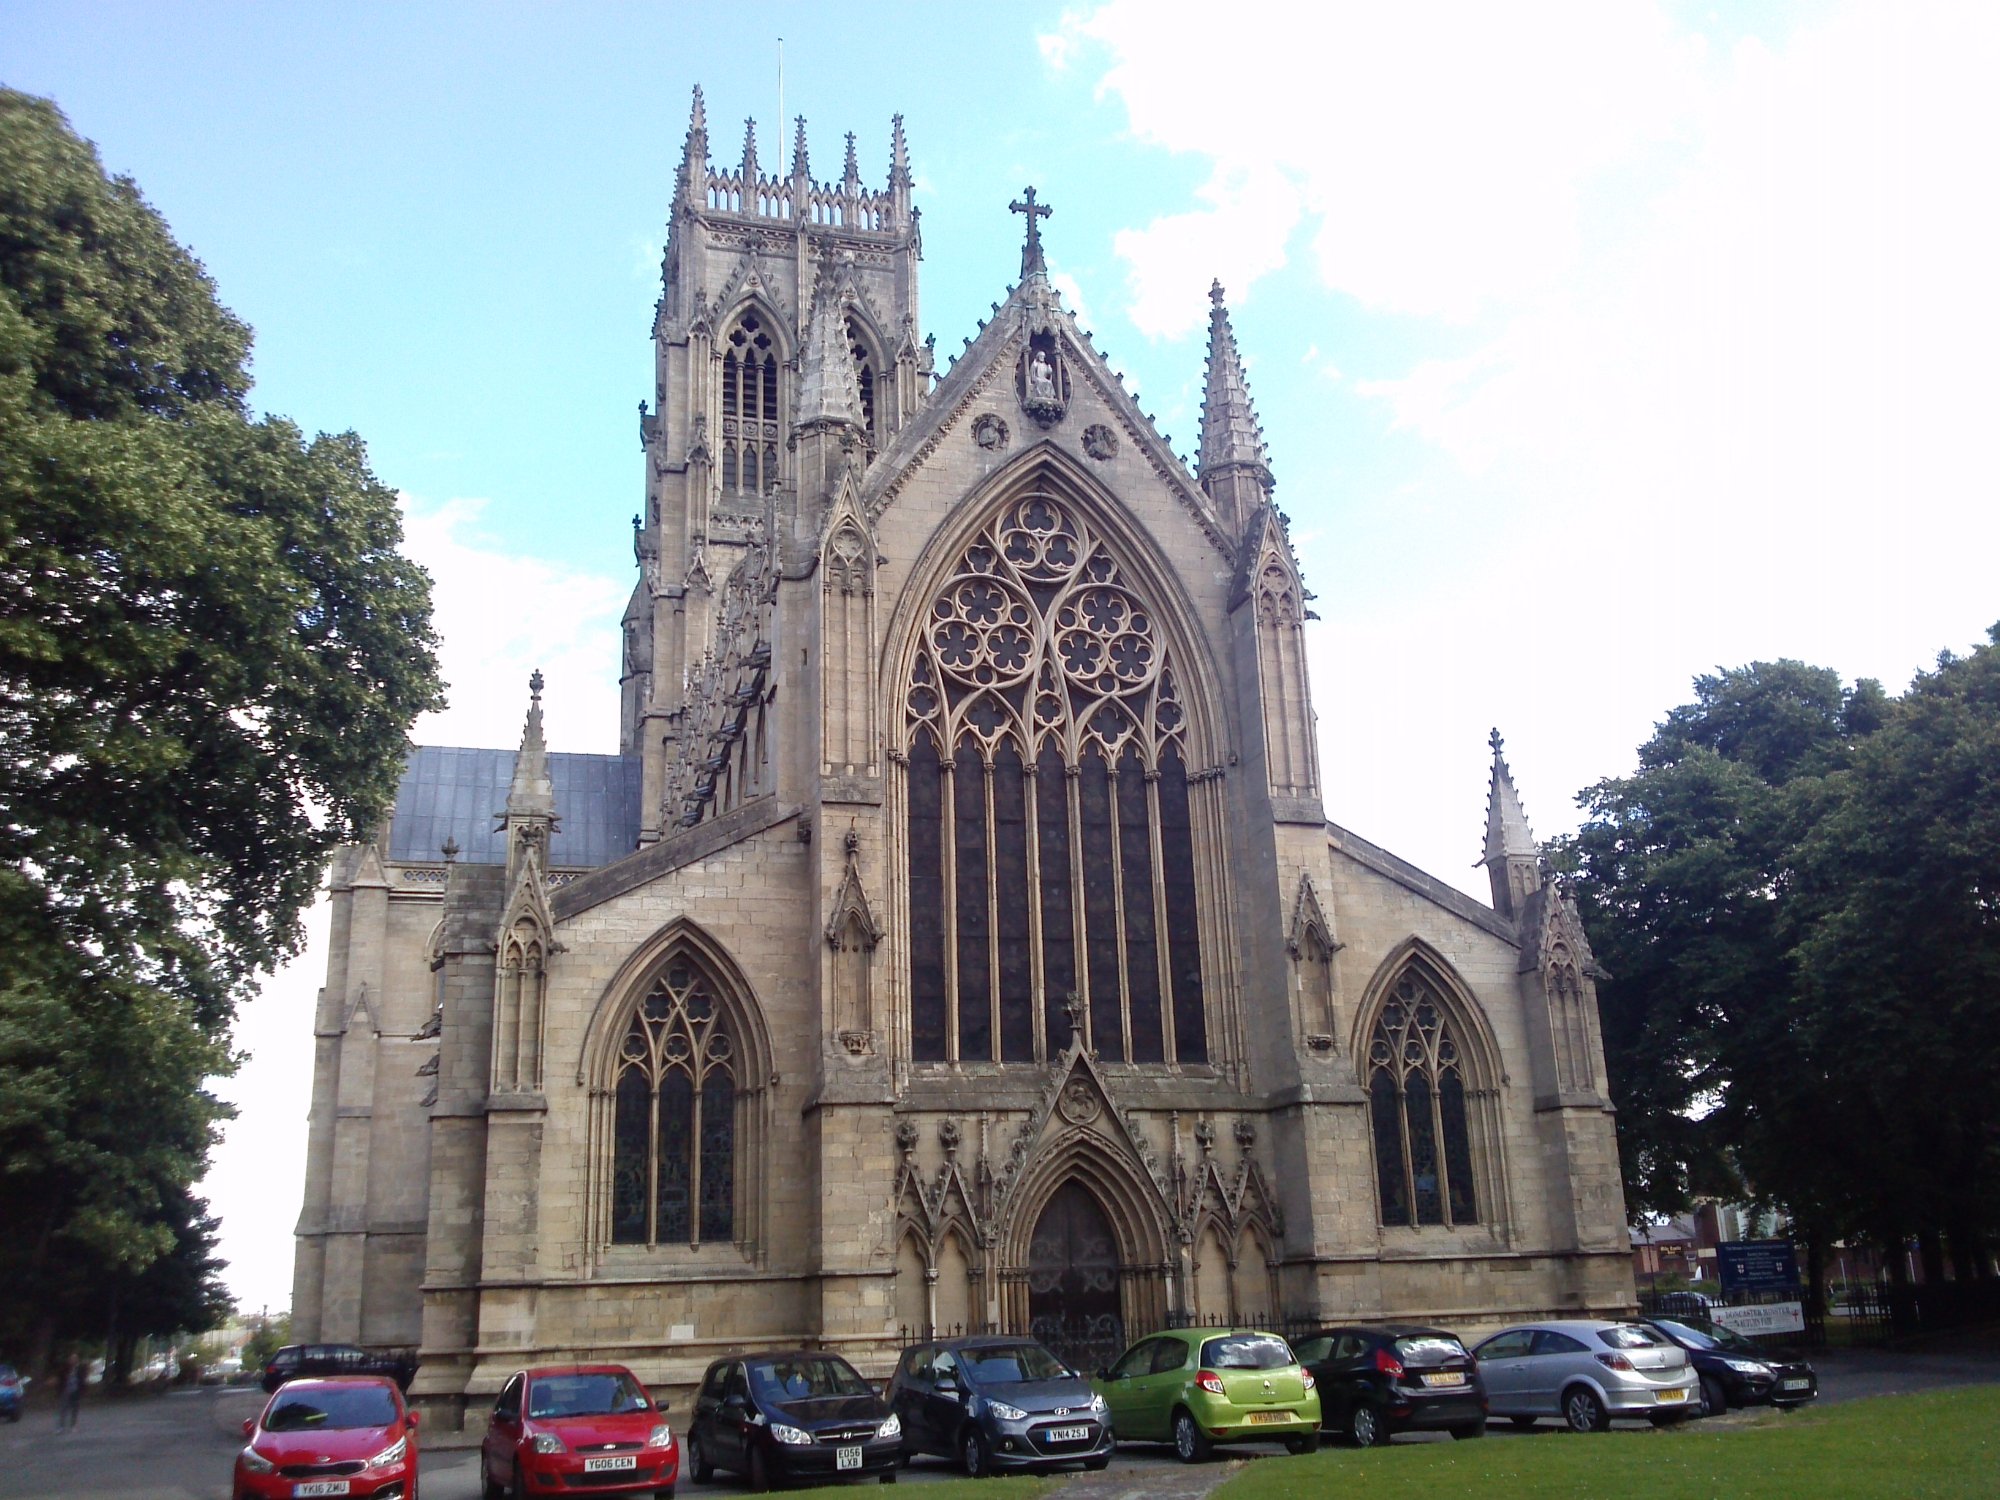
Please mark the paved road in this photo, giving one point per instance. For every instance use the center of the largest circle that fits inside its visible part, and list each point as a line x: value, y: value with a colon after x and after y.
x: 180, y: 1446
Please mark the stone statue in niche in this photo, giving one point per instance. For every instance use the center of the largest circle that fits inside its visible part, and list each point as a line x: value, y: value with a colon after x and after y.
x: 989, y: 432
x: 1043, y: 383
x: 1041, y: 379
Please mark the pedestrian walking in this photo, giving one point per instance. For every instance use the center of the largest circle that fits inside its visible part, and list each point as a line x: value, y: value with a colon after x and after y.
x: 70, y: 1405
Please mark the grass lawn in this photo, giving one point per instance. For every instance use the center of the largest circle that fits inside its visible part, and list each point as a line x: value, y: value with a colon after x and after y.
x: 1944, y: 1443
x: 1000, y: 1487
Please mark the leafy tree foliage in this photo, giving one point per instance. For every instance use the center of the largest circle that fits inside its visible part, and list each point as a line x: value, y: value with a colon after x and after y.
x: 1797, y: 899
x: 211, y: 650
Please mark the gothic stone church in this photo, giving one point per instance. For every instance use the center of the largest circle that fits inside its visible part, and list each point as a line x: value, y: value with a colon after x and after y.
x: 959, y: 936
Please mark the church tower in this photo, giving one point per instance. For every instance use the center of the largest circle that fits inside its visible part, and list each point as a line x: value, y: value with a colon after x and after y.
x: 787, y: 354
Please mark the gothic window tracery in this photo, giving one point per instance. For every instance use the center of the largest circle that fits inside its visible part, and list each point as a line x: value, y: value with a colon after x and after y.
x: 749, y: 457
x: 1050, y: 838
x: 674, y: 1117
x: 1418, y: 1110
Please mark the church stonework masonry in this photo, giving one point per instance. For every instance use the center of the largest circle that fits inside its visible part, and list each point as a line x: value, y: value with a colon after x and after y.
x: 958, y: 937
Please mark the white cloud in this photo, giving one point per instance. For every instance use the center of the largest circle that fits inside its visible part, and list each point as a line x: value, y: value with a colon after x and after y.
x: 1443, y: 153
x: 501, y: 616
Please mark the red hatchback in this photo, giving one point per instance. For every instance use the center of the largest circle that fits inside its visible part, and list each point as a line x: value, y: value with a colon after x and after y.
x: 348, y: 1436
x: 577, y: 1427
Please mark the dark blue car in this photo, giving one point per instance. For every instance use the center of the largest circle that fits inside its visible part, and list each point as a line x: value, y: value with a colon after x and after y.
x: 999, y: 1403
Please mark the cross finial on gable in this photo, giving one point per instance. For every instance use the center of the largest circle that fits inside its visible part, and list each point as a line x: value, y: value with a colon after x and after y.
x: 1032, y: 263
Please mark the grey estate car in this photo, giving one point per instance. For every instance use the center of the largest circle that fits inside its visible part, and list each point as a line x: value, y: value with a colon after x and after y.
x: 1587, y: 1371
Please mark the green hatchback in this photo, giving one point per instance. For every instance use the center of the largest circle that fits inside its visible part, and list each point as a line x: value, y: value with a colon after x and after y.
x: 1196, y: 1387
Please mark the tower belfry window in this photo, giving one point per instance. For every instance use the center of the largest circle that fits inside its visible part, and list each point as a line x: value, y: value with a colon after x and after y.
x: 749, y: 457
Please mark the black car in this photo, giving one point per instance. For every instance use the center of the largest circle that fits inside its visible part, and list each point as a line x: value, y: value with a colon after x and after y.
x: 296, y: 1361
x: 1736, y: 1372
x: 1376, y: 1380
x: 999, y: 1403
x: 797, y: 1414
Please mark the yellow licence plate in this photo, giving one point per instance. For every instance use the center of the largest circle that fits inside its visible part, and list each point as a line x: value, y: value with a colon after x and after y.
x: 1260, y: 1418
x: 1670, y: 1397
x: 1452, y: 1377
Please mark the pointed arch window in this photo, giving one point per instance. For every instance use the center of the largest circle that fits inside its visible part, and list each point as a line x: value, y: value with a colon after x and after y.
x: 864, y: 377
x: 1418, y: 1112
x: 1051, y: 832
x: 750, y: 421
x: 674, y: 1117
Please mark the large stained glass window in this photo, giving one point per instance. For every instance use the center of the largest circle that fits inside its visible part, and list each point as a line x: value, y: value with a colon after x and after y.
x: 673, y: 1168
x: 1417, y: 1111
x: 1050, y: 831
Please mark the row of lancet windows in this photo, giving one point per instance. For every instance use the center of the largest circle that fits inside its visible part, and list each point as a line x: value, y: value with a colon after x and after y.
x: 753, y: 439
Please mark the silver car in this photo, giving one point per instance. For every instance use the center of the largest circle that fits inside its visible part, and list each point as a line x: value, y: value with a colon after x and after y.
x: 1587, y: 1371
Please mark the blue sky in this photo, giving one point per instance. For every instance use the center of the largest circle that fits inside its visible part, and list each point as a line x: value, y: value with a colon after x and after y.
x: 1597, y: 344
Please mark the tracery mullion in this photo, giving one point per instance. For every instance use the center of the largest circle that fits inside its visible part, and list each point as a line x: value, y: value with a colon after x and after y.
x: 1162, y: 924
x: 1031, y: 813
x: 994, y: 1032
x: 948, y: 885
x: 694, y: 1152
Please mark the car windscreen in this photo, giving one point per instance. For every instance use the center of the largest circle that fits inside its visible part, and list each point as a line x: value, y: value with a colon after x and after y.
x: 1703, y: 1334
x: 1005, y: 1364
x: 806, y: 1377
x: 1429, y: 1350
x: 323, y: 1409
x: 600, y: 1395
x: 1630, y: 1336
x: 1246, y: 1351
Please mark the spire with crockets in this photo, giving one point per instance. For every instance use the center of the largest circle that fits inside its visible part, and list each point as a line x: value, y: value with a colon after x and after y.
x: 1232, y: 465
x: 1511, y: 859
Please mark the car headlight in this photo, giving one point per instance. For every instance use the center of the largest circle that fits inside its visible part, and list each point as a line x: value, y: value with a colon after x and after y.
x: 393, y: 1454
x: 661, y: 1436
x: 798, y: 1437
x: 548, y: 1442
x: 1749, y: 1367
x: 1097, y: 1404
x: 256, y: 1463
x: 1005, y: 1412
x: 892, y: 1427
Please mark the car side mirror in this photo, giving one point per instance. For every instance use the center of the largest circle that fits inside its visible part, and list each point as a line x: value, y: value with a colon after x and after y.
x: 659, y: 1405
x: 249, y: 1425
x: 734, y: 1402
x: 946, y: 1386
x: 414, y: 1417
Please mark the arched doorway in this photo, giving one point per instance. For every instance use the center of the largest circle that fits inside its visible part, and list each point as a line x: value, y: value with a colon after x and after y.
x: 1073, y: 1301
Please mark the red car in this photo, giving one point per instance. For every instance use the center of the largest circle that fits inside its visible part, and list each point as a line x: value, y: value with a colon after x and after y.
x: 348, y: 1436
x: 577, y: 1427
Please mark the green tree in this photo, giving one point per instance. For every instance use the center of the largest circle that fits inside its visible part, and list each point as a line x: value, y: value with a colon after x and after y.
x: 1899, y: 951
x: 1681, y: 873
x: 211, y: 651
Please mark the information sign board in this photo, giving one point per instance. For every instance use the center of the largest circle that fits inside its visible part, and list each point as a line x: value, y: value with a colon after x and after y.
x: 1762, y: 1317
x: 1757, y: 1266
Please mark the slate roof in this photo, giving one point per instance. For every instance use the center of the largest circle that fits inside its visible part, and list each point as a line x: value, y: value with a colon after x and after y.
x: 449, y: 791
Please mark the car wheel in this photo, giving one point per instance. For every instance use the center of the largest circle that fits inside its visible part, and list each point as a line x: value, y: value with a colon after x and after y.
x: 1583, y: 1411
x: 760, y: 1471
x: 974, y: 1454
x: 700, y: 1470
x: 1365, y: 1427
x: 1469, y: 1430
x: 1714, y: 1400
x: 1191, y: 1444
x: 1308, y: 1444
